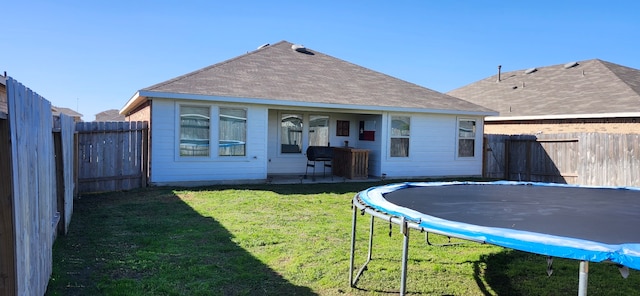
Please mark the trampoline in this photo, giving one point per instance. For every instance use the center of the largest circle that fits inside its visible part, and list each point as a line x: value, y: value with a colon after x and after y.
x: 589, y: 224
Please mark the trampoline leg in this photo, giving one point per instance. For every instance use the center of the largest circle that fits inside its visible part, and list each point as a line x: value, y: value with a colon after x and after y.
x: 584, y: 275
x: 405, y: 252
x: 370, y: 240
x: 353, y: 245
x: 364, y: 266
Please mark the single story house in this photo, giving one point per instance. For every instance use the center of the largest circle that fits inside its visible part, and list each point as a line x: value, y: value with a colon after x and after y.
x: 110, y: 115
x: 592, y: 96
x: 252, y: 117
x: 56, y: 111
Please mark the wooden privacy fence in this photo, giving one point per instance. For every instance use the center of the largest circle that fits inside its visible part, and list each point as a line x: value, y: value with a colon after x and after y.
x: 65, y: 145
x: 579, y: 158
x: 112, y: 156
x: 29, y: 190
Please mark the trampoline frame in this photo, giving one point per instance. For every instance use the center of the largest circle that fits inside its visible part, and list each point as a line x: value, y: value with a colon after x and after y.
x: 407, y: 223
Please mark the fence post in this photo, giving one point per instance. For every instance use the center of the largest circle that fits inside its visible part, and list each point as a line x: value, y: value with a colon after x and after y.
x: 145, y: 154
x: 7, y: 229
x: 528, y: 159
x: 507, y: 152
x: 485, y: 150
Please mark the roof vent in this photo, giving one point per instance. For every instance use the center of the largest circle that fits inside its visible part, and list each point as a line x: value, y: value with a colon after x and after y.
x: 263, y: 46
x: 529, y: 71
x: 299, y: 48
x: 570, y: 65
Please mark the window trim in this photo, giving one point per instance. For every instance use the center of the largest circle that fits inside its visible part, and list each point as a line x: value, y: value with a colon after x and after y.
x: 458, y: 138
x: 214, y: 133
x: 246, y: 132
x: 178, y: 131
x: 308, y: 133
x: 391, y: 136
x: 303, y: 136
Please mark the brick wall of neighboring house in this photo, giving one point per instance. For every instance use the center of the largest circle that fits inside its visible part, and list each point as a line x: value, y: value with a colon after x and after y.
x: 141, y: 113
x: 611, y: 125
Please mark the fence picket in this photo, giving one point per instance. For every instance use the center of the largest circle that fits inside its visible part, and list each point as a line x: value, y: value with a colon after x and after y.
x: 116, y: 156
x: 581, y: 158
x: 33, y: 189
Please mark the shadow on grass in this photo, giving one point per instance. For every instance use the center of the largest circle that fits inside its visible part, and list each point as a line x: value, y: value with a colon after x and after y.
x: 490, y: 274
x: 152, y: 243
x: 519, y: 273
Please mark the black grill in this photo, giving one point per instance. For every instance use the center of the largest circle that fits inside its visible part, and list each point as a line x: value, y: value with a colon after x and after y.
x: 317, y: 154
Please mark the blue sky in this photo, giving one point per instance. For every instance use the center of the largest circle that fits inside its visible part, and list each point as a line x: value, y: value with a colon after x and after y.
x: 94, y: 55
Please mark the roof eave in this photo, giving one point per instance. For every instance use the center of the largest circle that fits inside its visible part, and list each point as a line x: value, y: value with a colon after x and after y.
x: 564, y: 116
x: 133, y: 102
x: 144, y: 94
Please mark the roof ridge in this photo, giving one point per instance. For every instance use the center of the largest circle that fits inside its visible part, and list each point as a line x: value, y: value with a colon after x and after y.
x: 551, y: 66
x: 555, y: 90
x: 384, y: 74
x: 172, y: 80
x: 608, y: 66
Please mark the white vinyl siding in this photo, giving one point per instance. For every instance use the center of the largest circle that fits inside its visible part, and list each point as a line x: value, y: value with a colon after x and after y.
x: 167, y: 166
x: 434, y: 150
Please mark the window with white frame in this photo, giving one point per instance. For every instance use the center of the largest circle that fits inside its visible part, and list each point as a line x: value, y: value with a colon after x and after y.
x: 194, y: 131
x: 466, y: 137
x: 232, y: 130
x: 400, y: 133
x: 291, y: 133
x: 318, y: 130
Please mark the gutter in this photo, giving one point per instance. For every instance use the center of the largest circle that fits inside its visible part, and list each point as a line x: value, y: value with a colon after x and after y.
x: 134, y: 101
x: 142, y: 95
x: 563, y: 116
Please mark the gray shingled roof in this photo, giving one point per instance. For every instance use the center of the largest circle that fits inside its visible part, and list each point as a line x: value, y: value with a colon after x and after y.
x: 110, y: 115
x: 590, y: 87
x: 277, y: 72
x: 58, y: 110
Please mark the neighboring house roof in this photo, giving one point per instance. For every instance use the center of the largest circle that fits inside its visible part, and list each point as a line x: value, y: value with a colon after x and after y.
x: 57, y: 110
x: 277, y: 74
x: 109, y: 115
x: 586, y: 89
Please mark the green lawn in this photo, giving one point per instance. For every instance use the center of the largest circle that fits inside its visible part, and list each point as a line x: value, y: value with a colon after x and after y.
x: 282, y: 240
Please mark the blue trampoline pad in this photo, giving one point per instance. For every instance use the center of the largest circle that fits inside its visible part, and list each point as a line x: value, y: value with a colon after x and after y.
x: 584, y: 223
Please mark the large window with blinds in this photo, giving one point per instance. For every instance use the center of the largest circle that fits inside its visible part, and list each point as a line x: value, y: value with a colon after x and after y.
x: 194, y: 131
x: 232, y: 136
